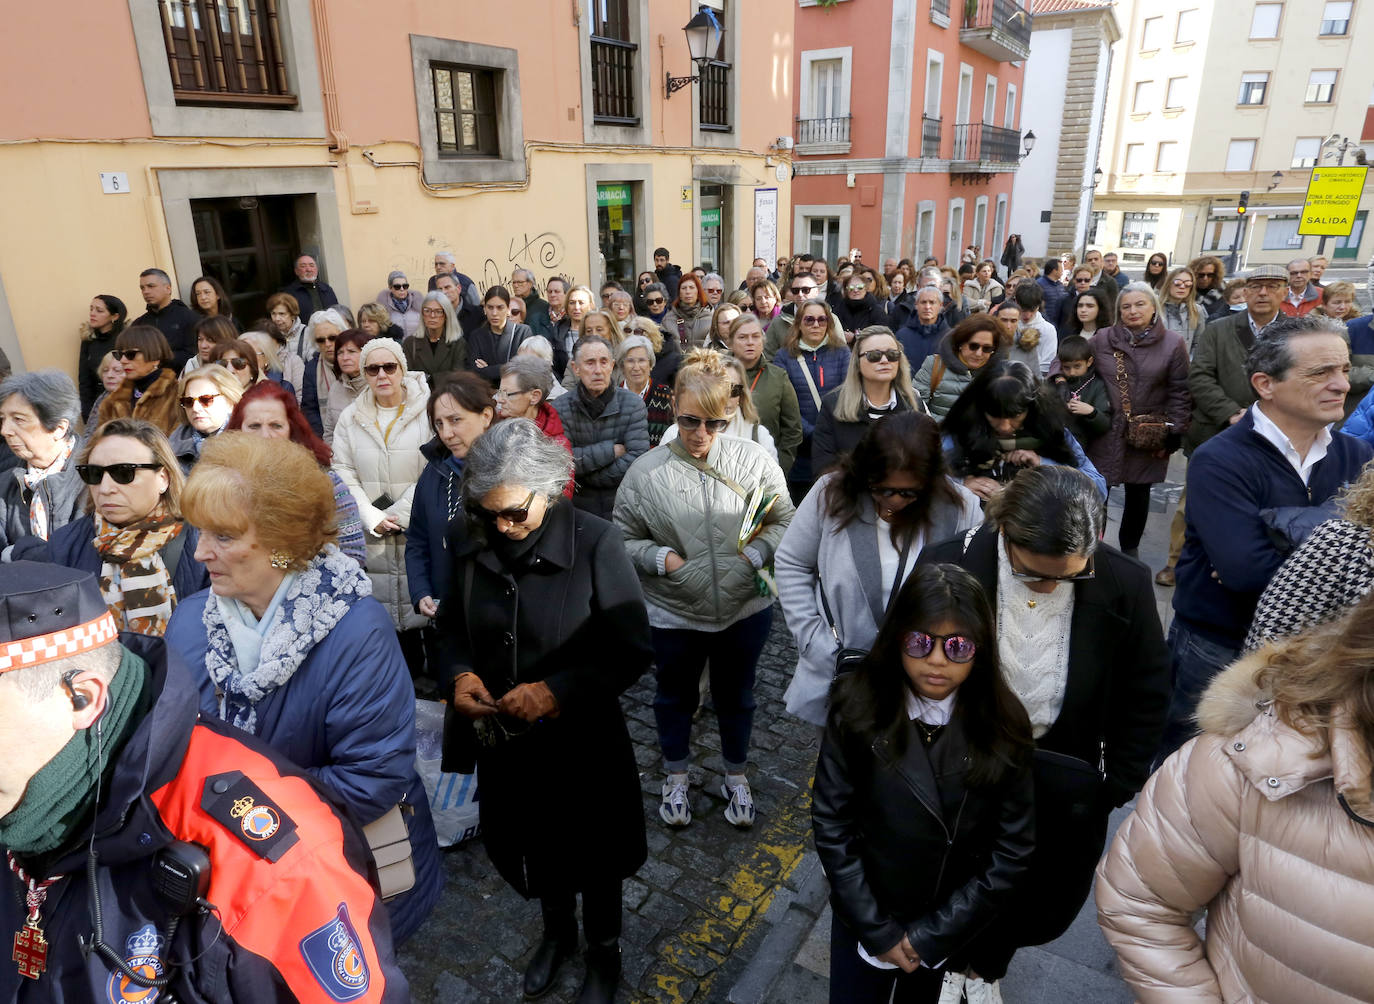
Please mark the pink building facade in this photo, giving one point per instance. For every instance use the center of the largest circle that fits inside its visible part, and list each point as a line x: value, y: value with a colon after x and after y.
x: 907, y: 133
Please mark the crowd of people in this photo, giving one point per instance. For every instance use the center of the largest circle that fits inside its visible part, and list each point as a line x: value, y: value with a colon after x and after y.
x: 466, y: 493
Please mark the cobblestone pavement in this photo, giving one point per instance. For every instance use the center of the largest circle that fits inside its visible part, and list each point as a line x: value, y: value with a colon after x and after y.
x: 718, y: 914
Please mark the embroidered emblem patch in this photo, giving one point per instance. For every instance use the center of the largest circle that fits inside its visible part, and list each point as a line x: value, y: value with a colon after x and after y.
x: 246, y: 811
x: 335, y: 958
x: 142, y: 953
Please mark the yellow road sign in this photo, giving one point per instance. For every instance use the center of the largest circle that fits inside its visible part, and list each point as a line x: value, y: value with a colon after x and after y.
x: 1333, y: 196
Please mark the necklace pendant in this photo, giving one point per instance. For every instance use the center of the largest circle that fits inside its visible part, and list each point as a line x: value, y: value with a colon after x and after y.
x: 31, y: 950
x: 1031, y: 604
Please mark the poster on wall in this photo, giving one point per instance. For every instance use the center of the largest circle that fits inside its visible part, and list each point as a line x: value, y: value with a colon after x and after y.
x: 766, y: 224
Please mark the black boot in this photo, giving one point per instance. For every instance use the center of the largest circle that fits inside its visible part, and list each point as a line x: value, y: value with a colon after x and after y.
x: 603, y: 974
x: 558, y: 943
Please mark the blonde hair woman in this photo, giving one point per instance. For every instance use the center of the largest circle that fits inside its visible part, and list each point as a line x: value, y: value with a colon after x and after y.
x: 1180, y: 313
x: 1265, y: 821
x: 877, y: 383
x: 816, y: 359
x: 740, y: 410
x: 701, y: 586
x: 208, y: 396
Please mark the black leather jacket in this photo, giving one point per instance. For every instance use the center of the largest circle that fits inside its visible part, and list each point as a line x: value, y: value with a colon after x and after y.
x: 910, y: 848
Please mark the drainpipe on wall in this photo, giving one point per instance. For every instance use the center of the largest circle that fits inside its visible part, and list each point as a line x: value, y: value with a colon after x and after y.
x: 338, y: 141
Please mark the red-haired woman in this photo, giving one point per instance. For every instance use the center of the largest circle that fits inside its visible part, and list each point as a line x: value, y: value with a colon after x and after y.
x: 270, y: 410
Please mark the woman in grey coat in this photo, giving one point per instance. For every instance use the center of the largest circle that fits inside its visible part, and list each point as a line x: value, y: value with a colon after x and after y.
x: 38, y: 416
x: 888, y: 500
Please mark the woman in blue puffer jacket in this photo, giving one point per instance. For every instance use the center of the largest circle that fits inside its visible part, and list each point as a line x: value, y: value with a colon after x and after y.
x: 816, y: 360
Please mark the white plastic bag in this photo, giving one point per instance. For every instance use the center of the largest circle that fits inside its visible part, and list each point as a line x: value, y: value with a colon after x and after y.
x: 452, y: 797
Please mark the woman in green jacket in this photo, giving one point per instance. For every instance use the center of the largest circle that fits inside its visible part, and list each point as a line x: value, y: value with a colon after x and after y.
x: 687, y: 510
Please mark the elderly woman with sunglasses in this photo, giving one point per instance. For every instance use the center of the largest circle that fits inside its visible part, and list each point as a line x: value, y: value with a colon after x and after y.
x: 537, y: 587
x: 322, y: 334
x: 1083, y: 650
x: 133, y: 536
x: 149, y: 390
x: 877, y: 383
x: 402, y: 303
x: 377, y: 447
x: 699, y: 543
x: 208, y: 396
x: 884, y: 502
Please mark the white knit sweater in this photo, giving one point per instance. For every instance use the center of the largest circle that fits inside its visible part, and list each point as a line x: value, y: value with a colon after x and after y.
x: 1034, y: 643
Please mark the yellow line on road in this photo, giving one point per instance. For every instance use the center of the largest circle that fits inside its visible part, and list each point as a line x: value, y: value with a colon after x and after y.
x: 708, y: 937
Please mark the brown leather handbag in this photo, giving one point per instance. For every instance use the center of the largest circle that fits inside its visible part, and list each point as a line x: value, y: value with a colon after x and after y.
x: 1143, y: 432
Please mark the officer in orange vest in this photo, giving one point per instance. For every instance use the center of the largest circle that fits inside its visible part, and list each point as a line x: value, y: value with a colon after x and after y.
x: 153, y: 856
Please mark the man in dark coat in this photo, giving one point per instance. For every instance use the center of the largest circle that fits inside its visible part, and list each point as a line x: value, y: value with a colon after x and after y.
x: 668, y: 274
x: 533, y: 599
x: 536, y: 307
x: 108, y: 774
x: 1093, y: 751
x: 1054, y: 291
x: 310, y: 293
x: 169, y: 315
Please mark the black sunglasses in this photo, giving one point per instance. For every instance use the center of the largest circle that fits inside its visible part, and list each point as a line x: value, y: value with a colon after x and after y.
x: 235, y: 362
x: 326, y: 339
x: 958, y: 648
x: 204, y: 399
x: 400, y: 285
x: 516, y: 514
x: 690, y: 423
x: 654, y: 301
x: 801, y: 290
x: 372, y: 369
x: 982, y: 350
x: 883, y: 492
x: 1088, y: 573
x: 878, y: 355
x: 122, y: 474
x: 128, y: 354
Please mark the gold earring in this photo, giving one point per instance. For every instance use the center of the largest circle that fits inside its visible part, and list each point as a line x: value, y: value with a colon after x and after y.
x: 280, y: 559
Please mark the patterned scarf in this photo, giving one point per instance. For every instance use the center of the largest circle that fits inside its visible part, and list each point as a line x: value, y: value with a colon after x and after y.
x: 313, y: 606
x: 38, y: 509
x: 135, y: 583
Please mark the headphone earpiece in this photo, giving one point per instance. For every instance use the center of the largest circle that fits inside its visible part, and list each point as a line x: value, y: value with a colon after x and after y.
x: 80, y: 702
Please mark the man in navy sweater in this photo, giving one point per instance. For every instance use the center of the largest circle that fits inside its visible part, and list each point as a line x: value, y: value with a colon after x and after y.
x: 1281, y: 453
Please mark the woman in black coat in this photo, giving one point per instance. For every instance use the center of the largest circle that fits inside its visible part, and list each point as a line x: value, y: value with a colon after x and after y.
x: 544, y: 627
x: 858, y: 308
x: 1072, y: 610
x: 922, y: 808
x: 495, y: 343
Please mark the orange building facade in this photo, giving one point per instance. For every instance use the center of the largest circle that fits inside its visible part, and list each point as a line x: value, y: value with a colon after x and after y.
x: 907, y: 131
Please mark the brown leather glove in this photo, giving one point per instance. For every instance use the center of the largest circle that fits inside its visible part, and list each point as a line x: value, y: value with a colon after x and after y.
x: 470, y: 697
x: 529, y: 702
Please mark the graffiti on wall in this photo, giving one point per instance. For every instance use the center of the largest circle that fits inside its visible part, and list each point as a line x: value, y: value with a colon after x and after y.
x: 543, y: 254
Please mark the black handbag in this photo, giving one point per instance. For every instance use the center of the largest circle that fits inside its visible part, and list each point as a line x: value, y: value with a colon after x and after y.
x: 849, y: 659
x: 1067, y: 785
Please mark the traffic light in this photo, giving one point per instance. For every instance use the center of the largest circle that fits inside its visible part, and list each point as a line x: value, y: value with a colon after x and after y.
x: 1243, y: 204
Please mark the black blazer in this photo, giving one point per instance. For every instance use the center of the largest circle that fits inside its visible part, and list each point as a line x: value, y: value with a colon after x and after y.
x: 909, y: 847
x: 1119, y: 668
x: 483, y: 344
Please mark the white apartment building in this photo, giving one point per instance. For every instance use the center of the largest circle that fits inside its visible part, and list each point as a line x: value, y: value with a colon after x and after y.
x: 1210, y: 98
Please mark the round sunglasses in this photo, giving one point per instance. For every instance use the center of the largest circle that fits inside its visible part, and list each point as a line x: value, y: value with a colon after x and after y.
x: 957, y: 647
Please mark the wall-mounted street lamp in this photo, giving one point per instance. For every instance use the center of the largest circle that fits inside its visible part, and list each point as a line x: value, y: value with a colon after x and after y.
x: 1097, y: 176
x: 703, y: 42
x: 1274, y: 180
x: 1027, y: 143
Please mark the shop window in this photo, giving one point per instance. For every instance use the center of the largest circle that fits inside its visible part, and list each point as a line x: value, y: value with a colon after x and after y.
x: 1138, y: 230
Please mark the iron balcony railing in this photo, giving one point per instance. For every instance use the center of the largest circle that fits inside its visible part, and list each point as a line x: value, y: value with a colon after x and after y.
x: 1006, y: 16
x: 930, y: 136
x: 831, y: 130
x: 982, y: 142
x: 613, y: 81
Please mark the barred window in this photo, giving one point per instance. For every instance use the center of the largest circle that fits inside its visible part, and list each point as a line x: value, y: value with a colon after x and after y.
x: 226, y: 52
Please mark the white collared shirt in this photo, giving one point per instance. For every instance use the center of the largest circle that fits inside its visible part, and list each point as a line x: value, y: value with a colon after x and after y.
x: 1303, y: 465
x: 923, y: 709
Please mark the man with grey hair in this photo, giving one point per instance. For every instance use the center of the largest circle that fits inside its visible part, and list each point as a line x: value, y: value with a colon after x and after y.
x: 311, y: 292
x: 1082, y: 648
x: 169, y: 315
x: 1301, y: 296
x: 1267, y: 478
x: 755, y: 274
x: 446, y: 263
x: 522, y: 284
x: 607, y: 425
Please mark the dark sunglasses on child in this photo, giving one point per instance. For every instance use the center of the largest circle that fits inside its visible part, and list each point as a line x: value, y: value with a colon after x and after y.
x: 123, y: 474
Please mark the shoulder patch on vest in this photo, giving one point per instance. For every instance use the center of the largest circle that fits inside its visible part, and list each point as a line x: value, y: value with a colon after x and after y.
x: 335, y: 958
x: 245, y: 811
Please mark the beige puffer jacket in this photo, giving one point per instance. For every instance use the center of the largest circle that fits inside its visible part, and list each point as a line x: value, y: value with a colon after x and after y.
x: 371, y: 468
x: 1278, y: 845
x: 664, y: 503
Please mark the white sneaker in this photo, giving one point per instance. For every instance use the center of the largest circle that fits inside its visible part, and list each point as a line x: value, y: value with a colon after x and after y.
x: 674, y: 809
x: 980, y: 991
x: 740, y: 811
x: 952, y: 988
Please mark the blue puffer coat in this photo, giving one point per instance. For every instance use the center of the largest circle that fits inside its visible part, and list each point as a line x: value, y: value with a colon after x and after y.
x: 828, y: 366
x: 347, y: 716
x: 436, y: 503
x: 73, y: 546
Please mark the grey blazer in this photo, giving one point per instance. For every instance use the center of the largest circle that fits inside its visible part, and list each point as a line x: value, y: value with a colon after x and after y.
x: 814, y: 551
